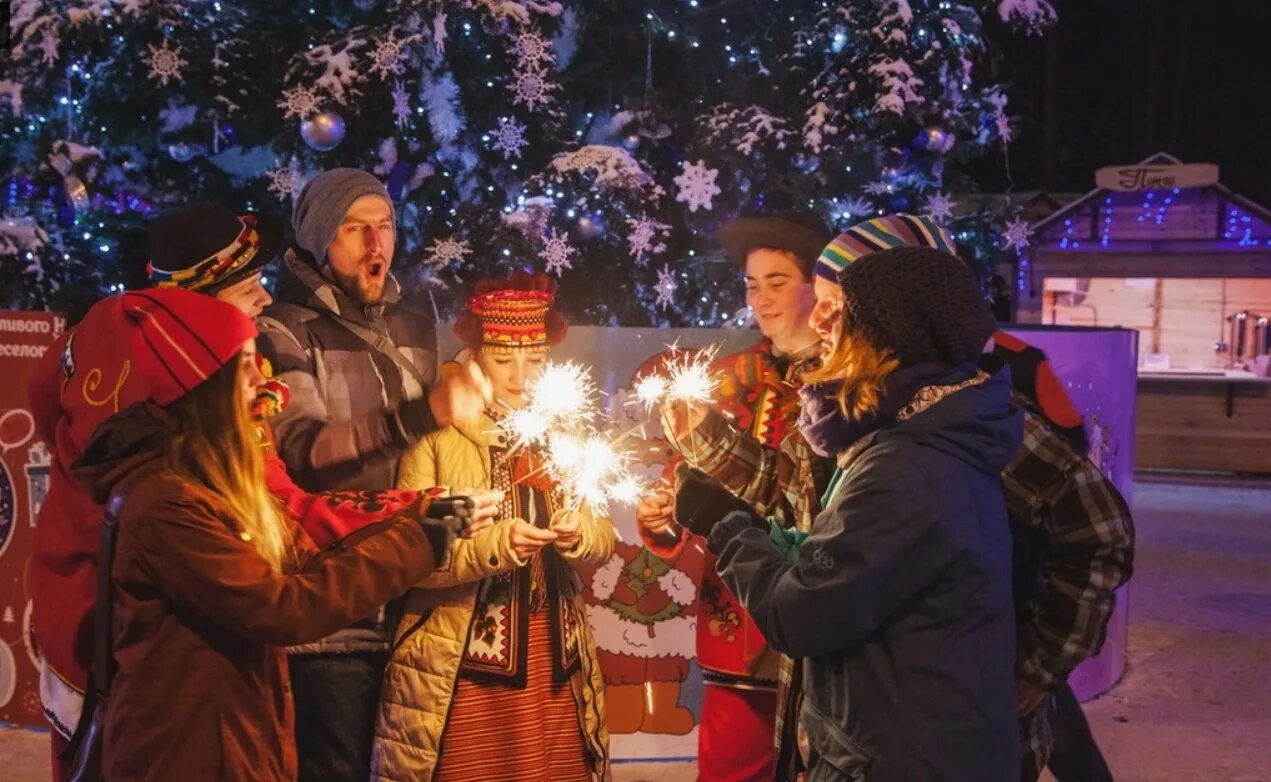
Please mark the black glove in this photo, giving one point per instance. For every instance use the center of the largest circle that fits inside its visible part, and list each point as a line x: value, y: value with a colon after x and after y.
x: 701, y: 502
x: 444, y: 518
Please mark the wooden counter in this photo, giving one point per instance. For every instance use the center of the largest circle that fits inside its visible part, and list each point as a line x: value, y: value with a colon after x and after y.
x: 1204, y: 421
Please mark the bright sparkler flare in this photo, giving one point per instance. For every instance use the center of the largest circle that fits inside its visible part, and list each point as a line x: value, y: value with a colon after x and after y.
x: 688, y: 378
x: 586, y: 466
x: 627, y: 491
x: 692, y: 381
x: 562, y: 390
x: 651, y: 389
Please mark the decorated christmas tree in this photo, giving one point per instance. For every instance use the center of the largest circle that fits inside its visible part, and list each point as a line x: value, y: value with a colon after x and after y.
x: 602, y: 141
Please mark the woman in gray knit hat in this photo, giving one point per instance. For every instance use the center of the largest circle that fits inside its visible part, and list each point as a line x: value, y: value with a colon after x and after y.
x: 899, y: 599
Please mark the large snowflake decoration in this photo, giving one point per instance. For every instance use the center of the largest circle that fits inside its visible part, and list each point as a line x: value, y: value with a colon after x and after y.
x: 531, y: 89
x: 1016, y: 234
x: 645, y: 239
x: 665, y: 288
x: 444, y: 252
x: 940, y: 207
x: 401, y: 105
x: 386, y: 57
x: 555, y: 253
x: 509, y: 138
x: 854, y: 206
x: 300, y: 102
x: 697, y: 185
x: 532, y: 50
x: 165, y: 63
x: 283, y: 181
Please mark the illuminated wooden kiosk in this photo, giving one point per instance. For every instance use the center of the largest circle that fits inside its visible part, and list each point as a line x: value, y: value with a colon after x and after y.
x: 1163, y: 248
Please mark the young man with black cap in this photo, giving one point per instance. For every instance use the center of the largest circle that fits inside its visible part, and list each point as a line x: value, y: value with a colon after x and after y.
x: 759, y: 391
x: 359, y: 361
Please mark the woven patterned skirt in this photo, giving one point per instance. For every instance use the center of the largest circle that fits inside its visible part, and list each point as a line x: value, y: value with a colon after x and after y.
x: 497, y: 733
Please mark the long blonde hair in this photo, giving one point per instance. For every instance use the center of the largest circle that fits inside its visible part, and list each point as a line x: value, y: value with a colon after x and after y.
x: 859, y: 369
x: 217, y: 446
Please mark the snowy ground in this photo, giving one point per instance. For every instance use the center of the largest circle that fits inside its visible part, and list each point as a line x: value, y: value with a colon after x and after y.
x: 1196, y: 701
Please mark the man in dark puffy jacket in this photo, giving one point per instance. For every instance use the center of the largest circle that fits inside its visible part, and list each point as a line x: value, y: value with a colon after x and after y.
x: 360, y: 364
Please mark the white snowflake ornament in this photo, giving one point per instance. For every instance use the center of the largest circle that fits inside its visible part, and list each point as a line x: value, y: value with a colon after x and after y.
x: 509, y: 138
x: 555, y: 253
x: 401, y: 105
x: 386, y: 57
x: 665, y: 288
x: 697, y: 185
x: 1016, y: 234
x: 283, y: 181
x: 644, y: 240
x: 531, y: 89
x: 165, y: 63
x: 940, y: 207
x: 300, y: 102
x: 854, y: 206
x: 444, y: 252
x: 532, y: 50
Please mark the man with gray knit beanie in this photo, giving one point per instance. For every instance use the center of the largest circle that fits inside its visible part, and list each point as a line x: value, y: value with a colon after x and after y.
x: 349, y: 346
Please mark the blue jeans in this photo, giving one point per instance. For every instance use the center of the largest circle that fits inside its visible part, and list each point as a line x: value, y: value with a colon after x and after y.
x: 336, y: 697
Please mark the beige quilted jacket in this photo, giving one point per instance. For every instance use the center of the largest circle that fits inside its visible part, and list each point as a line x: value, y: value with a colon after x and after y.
x: 433, y: 631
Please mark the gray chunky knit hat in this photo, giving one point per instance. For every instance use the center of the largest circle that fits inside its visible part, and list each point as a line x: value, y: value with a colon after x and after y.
x: 322, y: 203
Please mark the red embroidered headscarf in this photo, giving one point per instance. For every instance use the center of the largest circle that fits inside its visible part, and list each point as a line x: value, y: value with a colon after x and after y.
x: 512, y: 313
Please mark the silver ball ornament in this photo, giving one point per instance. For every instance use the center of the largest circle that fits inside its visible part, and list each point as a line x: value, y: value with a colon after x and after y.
x: 323, y: 131
x: 181, y: 152
x: 631, y: 142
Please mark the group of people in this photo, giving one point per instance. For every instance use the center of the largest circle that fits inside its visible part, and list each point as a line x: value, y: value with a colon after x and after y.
x: 281, y: 542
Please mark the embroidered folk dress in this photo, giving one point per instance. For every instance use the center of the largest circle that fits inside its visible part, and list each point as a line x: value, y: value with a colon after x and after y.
x: 494, y: 672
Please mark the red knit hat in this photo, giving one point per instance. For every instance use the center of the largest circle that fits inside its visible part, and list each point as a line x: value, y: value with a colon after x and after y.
x: 146, y: 346
x: 512, y: 313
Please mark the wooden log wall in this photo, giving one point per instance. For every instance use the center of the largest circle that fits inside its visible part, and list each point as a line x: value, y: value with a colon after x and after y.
x: 1183, y: 425
x: 1183, y: 318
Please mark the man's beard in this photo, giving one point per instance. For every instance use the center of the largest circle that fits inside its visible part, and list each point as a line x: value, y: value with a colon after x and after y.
x: 362, y: 291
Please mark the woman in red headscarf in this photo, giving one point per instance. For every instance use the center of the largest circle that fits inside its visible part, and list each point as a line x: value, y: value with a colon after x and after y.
x: 494, y: 674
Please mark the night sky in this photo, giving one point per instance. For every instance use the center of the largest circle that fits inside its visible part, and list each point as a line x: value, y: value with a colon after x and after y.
x: 1135, y: 77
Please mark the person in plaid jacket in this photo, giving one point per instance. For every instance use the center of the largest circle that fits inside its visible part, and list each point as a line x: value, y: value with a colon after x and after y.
x: 759, y: 393
x: 1073, y: 532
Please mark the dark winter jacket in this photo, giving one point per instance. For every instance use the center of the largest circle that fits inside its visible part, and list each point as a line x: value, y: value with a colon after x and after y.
x: 345, y: 428
x: 200, y: 691
x: 900, y: 599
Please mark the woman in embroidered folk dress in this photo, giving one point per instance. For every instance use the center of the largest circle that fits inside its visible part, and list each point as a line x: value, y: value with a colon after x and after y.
x: 494, y: 672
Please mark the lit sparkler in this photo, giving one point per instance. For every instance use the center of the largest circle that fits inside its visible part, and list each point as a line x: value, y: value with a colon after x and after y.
x: 585, y: 465
x: 688, y: 378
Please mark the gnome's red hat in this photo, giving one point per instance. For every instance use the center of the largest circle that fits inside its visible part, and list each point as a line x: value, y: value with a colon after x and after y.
x: 512, y: 313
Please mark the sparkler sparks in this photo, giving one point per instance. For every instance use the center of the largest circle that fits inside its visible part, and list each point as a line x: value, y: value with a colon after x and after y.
x: 586, y: 465
x: 688, y: 378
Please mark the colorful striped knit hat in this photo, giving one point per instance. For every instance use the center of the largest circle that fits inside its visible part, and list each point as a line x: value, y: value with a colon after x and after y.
x: 882, y: 233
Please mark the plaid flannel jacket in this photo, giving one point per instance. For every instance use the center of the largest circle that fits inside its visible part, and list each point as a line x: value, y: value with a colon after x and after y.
x: 1088, y: 535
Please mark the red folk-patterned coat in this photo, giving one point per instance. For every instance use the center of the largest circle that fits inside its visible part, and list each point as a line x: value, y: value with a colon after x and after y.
x: 760, y: 393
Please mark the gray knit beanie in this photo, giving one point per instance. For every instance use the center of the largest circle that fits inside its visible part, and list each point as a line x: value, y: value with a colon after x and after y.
x: 322, y: 203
